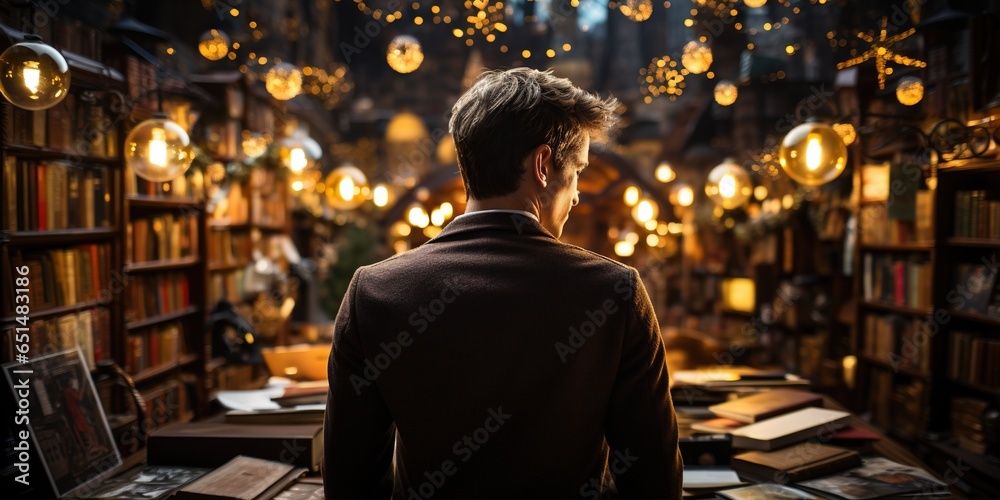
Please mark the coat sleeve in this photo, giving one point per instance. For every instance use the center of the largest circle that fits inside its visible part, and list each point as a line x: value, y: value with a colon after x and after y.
x: 641, y: 426
x: 358, y: 431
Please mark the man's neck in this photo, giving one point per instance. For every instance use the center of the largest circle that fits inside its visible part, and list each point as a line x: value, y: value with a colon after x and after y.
x: 501, y: 203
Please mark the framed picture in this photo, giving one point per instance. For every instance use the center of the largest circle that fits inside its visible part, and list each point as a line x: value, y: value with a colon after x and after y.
x: 69, y: 432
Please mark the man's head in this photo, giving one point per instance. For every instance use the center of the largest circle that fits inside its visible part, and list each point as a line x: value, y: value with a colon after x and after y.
x: 522, y: 138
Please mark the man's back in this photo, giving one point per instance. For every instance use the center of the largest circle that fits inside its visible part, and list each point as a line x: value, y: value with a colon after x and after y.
x: 504, y: 358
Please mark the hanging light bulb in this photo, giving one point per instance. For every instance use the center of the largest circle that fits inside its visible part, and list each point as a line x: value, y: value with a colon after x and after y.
x: 380, y: 195
x: 33, y: 75
x: 624, y: 248
x: 417, y: 216
x: 664, y: 173
x: 728, y: 185
x: 631, y: 196
x: 447, y: 209
x: 158, y: 149
x: 696, y: 57
x: 910, y: 90
x: 254, y: 145
x: 759, y: 193
x: 754, y: 4
x: 682, y: 195
x: 283, y: 81
x: 347, y: 187
x: 299, y: 151
x: 644, y: 211
x: 404, y: 54
x: 214, y: 45
x: 725, y: 93
x: 813, y: 154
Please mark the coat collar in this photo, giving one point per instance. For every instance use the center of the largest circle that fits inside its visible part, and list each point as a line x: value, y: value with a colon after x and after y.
x: 503, y: 221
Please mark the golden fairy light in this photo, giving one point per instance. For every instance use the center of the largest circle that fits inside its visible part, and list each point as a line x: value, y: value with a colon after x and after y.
x: 254, y: 144
x: 754, y: 4
x: 725, y: 93
x: 404, y: 54
x: 846, y: 132
x: 284, y: 81
x: 214, y: 45
x: 662, y: 77
x: 484, y: 17
x: 636, y: 10
x: 881, y: 50
x: 696, y: 57
x: 328, y: 85
x: 910, y: 90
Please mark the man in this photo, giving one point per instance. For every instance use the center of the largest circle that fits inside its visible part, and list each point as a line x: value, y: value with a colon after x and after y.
x: 495, y: 361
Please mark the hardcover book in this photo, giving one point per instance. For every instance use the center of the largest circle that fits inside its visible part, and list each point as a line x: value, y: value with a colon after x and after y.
x: 765, y: 405
x: 795, y: 463
x: 789, y: 429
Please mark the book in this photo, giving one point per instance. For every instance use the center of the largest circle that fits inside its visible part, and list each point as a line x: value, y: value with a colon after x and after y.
x: 876, y: 478
x: 789, y: 428
x: 220, y: 442
x: 767, y: 491
x: 242, y: 478
x: 304, y: 393
x: 795, y: 463
x: 766, y: 404
x: 715, y: 478
x: 145, y: 482
x: 284, y: 416
x: 717, y: 426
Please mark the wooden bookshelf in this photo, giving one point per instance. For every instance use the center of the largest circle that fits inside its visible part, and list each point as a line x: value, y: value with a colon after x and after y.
x: 895, y: 308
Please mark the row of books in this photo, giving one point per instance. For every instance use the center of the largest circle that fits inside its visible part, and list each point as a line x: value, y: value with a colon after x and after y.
x: 66, y: 276
x: 967, y: 423
x: 900, y: 342
x: 974, y: 359
x: 903, y: 282
x: 77, y: 126
x: 66, y: 33
x: 879, y: 227
x: 230, y: 285
x: 233, y: 208
x: 167, y: 403
x: 269, y: 203
x: 902, y: 407
x: 162, y: 238
x: 191, y: 186
x: 153, y: 347
x: 229, y: 247
x: 57, y: 195
x: 90, y: 330
x: 977, y: 214
x: 155, y: 294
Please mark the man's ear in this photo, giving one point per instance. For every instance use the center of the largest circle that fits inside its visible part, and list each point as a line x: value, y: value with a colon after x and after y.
x: 540, y: 163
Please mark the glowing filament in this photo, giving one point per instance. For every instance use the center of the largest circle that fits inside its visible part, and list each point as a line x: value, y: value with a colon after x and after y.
x: 380, y: 196
x: 814, y: 153
x: 158, y: 148
x: 31, y: 75
x: 727, y: 186
x: 298, y: 161
x: 345, y: 188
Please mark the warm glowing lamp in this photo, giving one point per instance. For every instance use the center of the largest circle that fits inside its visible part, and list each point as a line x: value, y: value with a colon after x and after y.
x: 682, y: 195
x: 728, y: 185
x: 846, y: 132
x: 645, y: 210
x: 404, y: 54
x: 33, y: 75
x: 910, y: 90
x: 380, y: 195
x: 283, y: 81
x: 664, y: 173
x: 299, y: 151
x: 725, y: 93
x: 754, y: 4
x: 813, y: 154
x: 631, y: 196
x: 158, y: 149
x: 696, y: 57
x: 347, y: 186
x: 739, y: 294
x: 417, y: 216
x: 624, y: 248
x: 214, y: 45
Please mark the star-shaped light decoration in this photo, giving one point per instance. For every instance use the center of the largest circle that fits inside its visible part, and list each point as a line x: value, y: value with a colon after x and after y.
x: 881, y: 51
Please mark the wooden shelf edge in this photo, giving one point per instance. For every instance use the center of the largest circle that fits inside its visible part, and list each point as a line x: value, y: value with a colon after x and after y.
x: 59, y: 310
x: 142, y: 201
x: 956, y: 241
x: 214, y: 268
x: 76, y: 235
x: 899, y: 247
x: 880, y: 306
x: 982, y: 318
x: 162, y: 265
x: 161, y: 318
x: 38, y: 151
x: 152, y: 373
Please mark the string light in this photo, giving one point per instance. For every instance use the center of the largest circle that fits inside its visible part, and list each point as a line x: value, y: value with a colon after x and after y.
x: 404, y: 54
x: 283, y: 81
x: 910, y: 90
x: 725, y: 93
x: 696, y: 57
x: 881, y: 50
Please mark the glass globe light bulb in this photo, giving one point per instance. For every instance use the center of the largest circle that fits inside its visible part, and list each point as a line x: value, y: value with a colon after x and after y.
x: 813, y: 154
x: 214, y: 45
x: 728, y: 185
x: 631, y: 196
x: 350, y: 186
x: 158, y: 149
x: 404, y: 54
x: 644, y: 211
x: 283, y: 81
x: 726, y: 93
x: 664, y: 173
x: 682, y: 195
x: 910, y: 90
x: 696, y: 57
x: 33, y: 75
x: 380, y: 195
